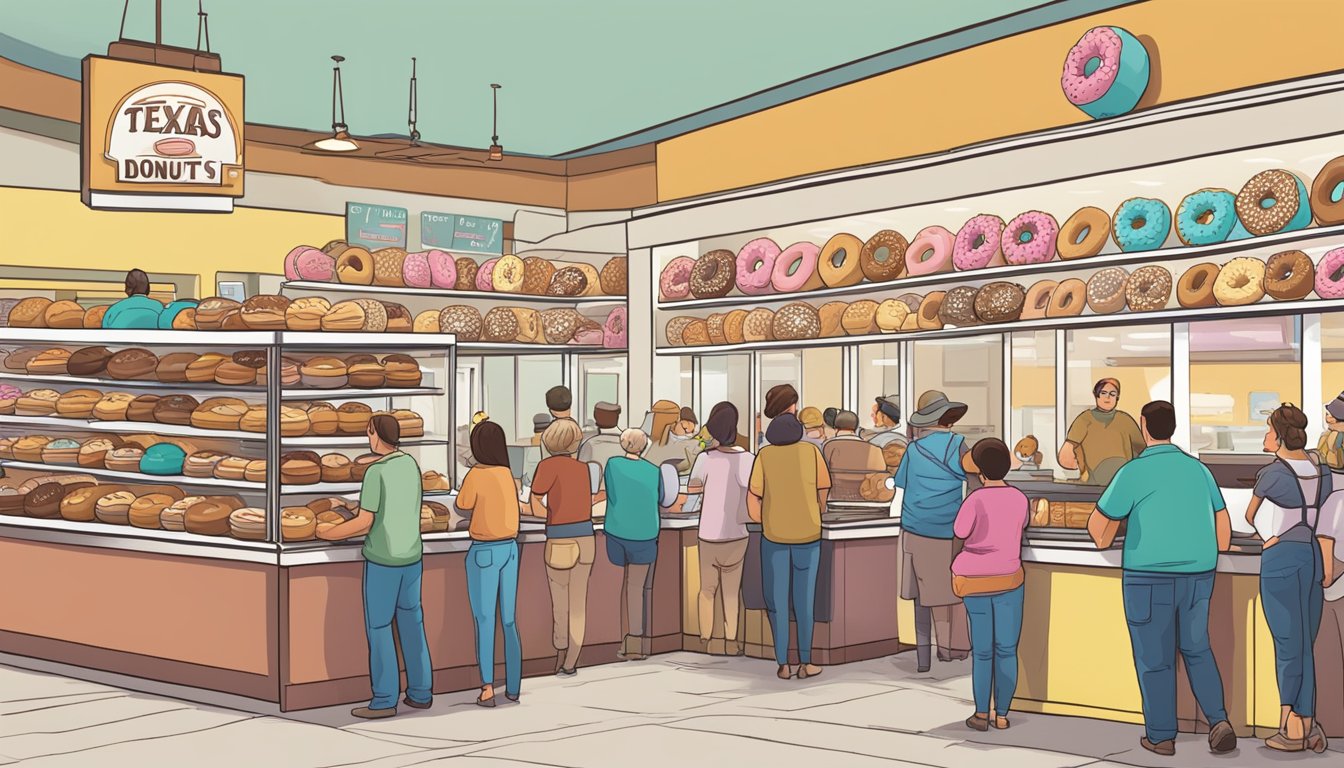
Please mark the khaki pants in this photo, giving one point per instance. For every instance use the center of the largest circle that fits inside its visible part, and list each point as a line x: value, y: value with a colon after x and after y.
x: 569, y: 562
x: 721, y: 574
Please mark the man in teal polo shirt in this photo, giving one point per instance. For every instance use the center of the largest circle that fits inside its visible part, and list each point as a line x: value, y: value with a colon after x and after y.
x: 1178, y: 524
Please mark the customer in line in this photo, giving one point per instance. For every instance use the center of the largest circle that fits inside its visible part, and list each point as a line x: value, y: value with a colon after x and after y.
x: 850, y: 459
x: 788, y: 489
x: 779, y: 399
x: 668, y: 441
x: 559, y: 402
x: 389, y: 513
x: 606, y: 444
x: 1178, y: 524
x: 1331, y: 446
x: 814, y: 426
x: 488, y: 496
x: 887, y: 422
x: 137, y: 311
x: 828, y: 418
x: 1285, y: 509
x: 634, y: 492
x: 1329, y: 650
x: 988, y: 577
x: 932, y: 480
x: 562, y: 493
x: 720, y: 477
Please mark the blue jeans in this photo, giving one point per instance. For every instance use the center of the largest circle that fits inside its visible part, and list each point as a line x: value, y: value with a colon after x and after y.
x: 1168, y: 613
x: 1291, y: 593
x: 790, y: 569
x: 394, y: 592
x: 492, y: 582
x: 996, y: 626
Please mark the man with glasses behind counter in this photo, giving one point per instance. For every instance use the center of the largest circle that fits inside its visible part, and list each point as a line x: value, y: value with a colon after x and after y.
x: 1103, y: 439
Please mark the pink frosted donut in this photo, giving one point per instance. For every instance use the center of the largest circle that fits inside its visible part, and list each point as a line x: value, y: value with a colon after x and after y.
x: 1100, y: 44
x: 756, y: 266
x: 291, y: 262
x: 10, y: 392
x: 313, y: 264
x: 1330, y: 275
x: 796, y: 268
x: 485, y: 276
x: 442, y: 269
x: 930, y: 252
x: 415, y: 270
x: 979, y: 243
x: 614, y: 330
x: 1030, y: 238
x: 588, y: 336
x: 675, y: 282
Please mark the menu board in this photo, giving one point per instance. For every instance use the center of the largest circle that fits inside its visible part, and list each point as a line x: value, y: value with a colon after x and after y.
x: 467, y: 234
x: 375, y: 226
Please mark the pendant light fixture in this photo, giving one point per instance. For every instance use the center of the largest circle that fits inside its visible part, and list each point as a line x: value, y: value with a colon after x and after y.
x: 496, y: 149
x: 411, y: 110
x: 339, y: 141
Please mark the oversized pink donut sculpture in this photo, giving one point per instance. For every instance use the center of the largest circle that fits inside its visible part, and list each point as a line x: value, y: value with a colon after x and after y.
x: 755, y: 266
x: 930, y: 252
x: 442, y: 269
x: 485, y: 276
x: 796, y: 268
x: 1030, y: 238
x: 415, y: 270
x: 1106, y: 72
x: 675, y: 282
x: 1330, y: 275
x: 979, y: 243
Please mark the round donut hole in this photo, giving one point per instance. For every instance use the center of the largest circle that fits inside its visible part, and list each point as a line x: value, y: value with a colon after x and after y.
x: 1138, y: 222
x: 1200, y: 278
x: 793, y: 266
x: 1337, y: 194
x: 881, y: 254
x: 1091, y: 66
x: 978, y: 242
x: 1082, y: 234
x: 926, y: 254
x: 838, y: 258
x: 1337, y: 274
x: 1067, y: 302
x: 757, y: 264
x: 1268, y: 201
x: 1240, y: 280
x: 1205, y: 218
x: 1026, y: 236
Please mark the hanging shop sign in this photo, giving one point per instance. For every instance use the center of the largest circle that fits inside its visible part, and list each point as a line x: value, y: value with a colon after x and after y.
x: 467, y: 234
x: 1106, y: 72
x: 375, y: 226
x: 160, y: 138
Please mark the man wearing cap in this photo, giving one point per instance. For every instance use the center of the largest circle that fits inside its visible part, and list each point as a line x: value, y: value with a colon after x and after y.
x: 814, y: 427
x: 887, y: 419
x: 933, y: 483
x: 850, y: 458
x: 606, y: 444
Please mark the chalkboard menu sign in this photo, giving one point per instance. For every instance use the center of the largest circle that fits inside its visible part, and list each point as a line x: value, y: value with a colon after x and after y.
x: 375, y: 226
x: 467, y: 234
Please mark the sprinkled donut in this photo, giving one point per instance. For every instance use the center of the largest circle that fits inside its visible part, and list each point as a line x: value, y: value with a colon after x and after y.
x: 1148, y: 289
x: 1106, y: 290
x: 713, y: 275
x: 1030, y: 238
x: 758, y: 325
x: 415, y: 270
x: 929, y: 316
x: 1241, y: 281
x: 674, y: 330
x: 860, y: 318
x: 755, y: 265
x: 1105, y: 72
x: 1069, y: 299
x: 883, y: 256
x: 979, y: 243
x: 675, y: 281
x: 891, y: 315
x: 839, y: 261
x: 569, y: 281
x: 1289, y: 276
x: 462, y: 320
x: 1141, y: 224
x: 1084, y: 234
x: 1330, y: 275
x: 442, y: 269
x: 930, y: 252
x: 959, y: 307
x: 1195, y: 288
x: 796, y: 269
x: 733, y: 323
x: 1206, y: 216
x: 1037, y: 301
x: 1273, y: 201
x: 1327, y: 193
x: 485, y: 276
x: 831, y: 314
x: 797, y: 320
x: 1000, y: 302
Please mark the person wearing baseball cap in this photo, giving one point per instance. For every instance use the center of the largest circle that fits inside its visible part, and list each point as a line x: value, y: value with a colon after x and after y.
x: 887, y: 420
x: 1331, y: 446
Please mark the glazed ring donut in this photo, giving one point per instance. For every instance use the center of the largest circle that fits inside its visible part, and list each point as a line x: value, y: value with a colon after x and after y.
x: 1000, y: 302
x: 696, y: 334
x: 1206, y: 216
x: 1030, y: 238
x: 758, y: 325
x: 831, y: 314
x: 1330, y: 275
x: 1273, y: 201
x: 1037, y: 300
x: 675, y: 281
x: 714, y: 326
x: 1069, y: 299
x: 883, y: 256
x: 860, y: 318
x: 1327, y: 193
x: 839, y: 261
x: 1148, y: 289
x: 930, y: 252
x: 1195, y: 288
x: 732, y: 326
x: 891, y: 315
x: 1241, y: 281
x: 713, y: 275
x: 798, y: 320
x: 755, y: 265
x: 355, y: 266
x: 675, y: 330
x: 959, y: 307
x: 930, y: 312
x: 979, y: 244
x: 1141, y: 224
x: 796, y: 269
x: 1106, y: 290
x: 1289, y: 276
x: 1084, y: 234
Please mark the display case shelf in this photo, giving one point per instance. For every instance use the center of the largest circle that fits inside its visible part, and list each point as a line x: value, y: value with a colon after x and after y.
x: 135, y: 427
x: 507, y: 348
x: 186, y: 387
x: 354, y: 441
x: 136, y: 477
x: 358, y: 394
x: 460, y: 296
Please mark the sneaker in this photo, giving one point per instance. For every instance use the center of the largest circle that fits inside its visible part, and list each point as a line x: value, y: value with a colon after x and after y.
x: 1164, y: 748
x: 367, y: 713
x: 567, y: 672
x: 408, y: 701
x: 1222, y: 739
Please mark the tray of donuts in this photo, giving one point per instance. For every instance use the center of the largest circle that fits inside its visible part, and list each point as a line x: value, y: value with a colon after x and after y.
x: 525, y: 325
x: 83, y: 499
x: 340, y: 262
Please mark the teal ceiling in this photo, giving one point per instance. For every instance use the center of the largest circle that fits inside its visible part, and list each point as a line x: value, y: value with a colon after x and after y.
x: 575, y: 72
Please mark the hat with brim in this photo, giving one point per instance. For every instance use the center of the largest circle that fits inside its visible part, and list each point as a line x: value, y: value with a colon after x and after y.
x: 932, y: 407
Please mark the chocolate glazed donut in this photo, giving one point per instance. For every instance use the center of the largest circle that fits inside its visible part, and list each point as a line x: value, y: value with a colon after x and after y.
x: 1327, y: 193
x: 713, y: 275
x: 1195, y: 288
x: 1289, y: 276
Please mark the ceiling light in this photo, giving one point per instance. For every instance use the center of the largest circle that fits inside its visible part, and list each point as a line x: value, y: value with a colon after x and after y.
x: 340, y: 140
x: 496, y: 149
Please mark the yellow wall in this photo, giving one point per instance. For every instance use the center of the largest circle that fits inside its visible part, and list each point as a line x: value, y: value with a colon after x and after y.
x: 1239, y: 381
x: 59, y: 231
x: 1002, y: 88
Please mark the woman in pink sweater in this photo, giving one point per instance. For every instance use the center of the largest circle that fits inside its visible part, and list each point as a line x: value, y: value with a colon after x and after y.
x: 988, y: 576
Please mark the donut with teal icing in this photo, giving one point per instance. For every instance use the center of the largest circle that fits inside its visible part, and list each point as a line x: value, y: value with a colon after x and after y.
x: 1206, y: 216
x: 1141, y: 224
x: 1106, y: 72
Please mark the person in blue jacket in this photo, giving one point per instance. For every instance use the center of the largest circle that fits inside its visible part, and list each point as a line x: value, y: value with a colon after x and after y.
x: 137, y: 310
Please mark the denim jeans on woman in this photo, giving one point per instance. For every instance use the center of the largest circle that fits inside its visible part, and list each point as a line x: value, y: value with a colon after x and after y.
x: 790, y: 570
x: 492, y: 587
x: 394, y: 592
x: 1291, y: 592
x: 996, y: 626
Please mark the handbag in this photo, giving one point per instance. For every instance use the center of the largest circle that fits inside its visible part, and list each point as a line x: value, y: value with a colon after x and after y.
x: 968, y: 586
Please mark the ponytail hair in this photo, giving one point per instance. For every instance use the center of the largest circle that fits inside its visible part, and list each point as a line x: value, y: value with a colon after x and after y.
x: 1290, y: 424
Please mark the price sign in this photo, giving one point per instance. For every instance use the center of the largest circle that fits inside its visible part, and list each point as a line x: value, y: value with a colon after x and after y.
x: 375, y: 226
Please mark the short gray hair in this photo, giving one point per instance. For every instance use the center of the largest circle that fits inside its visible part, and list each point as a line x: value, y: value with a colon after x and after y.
x: 634, y: 441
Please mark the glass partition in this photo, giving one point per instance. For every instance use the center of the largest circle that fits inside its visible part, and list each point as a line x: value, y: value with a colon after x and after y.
x: 1332, y: 386
x: 1033, y: 395
x: 726, y: 378
x: 1240, y: 371
x: 671, y: 381
x: 1138, y: 357
x: 600, y: 379
x: 968, y: 370
x: 879, y: 376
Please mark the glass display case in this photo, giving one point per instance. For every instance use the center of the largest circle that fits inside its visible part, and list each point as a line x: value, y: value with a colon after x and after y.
x: 1033, y: 395
x: 879, y: 375
x: 968, y: 370
x: 1240, y: 371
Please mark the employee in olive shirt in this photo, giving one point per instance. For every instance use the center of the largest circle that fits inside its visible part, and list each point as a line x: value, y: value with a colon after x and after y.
x: 1102, y: 439
x: 389, y: 513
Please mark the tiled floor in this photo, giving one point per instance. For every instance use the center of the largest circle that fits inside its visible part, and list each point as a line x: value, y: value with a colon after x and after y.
x: 674, y: 710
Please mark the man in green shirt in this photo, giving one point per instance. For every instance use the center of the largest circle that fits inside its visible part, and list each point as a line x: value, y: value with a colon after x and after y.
x: 137, y: 310
x: 389, y: 519
x: 1178, y: 524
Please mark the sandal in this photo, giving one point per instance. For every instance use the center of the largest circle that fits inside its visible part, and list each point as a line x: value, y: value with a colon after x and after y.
x: 808, y: 670
x: 1000, y: 723
x: 1280, y: 741
x: 978, y: 722
x: 785, y: 672
x: 490, y: 702
x: 1316, y: 741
